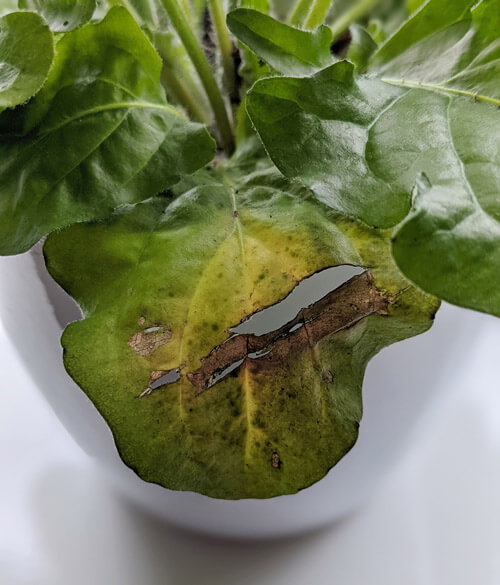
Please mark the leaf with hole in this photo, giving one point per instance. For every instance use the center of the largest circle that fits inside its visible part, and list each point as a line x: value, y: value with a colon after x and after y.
x: 194, y: 401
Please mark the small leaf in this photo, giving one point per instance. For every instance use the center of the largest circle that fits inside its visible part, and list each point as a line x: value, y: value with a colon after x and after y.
x: 163, y: 283
x: 62, y: 15
x: 26, y: 56
x: 98, y: 135
x: 286, y: 49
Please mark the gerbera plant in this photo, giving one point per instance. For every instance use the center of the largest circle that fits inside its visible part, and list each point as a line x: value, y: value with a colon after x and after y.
x: 194, y: 163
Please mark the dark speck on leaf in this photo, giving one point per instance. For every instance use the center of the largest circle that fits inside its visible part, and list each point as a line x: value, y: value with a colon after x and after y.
x: 275, y: 460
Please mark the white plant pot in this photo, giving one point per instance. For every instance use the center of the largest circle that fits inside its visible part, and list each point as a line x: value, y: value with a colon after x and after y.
x: 400, y: 384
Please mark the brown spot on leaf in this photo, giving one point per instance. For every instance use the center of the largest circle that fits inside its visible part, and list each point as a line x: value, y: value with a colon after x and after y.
x: 338, y: 310
x: 327, y: 376
x: 141, y: 321
x: 275, y: 460
x: 147, y: 341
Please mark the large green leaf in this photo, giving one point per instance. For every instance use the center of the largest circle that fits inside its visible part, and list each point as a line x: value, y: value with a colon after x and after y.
x: 62, y: 15
x: 286, y: 49
x: 24, y: 66
x: 432, y: 16
x: 450, y: 243
x: 360, y: 146
x: 318, y: 129
x: 162, y: 283
x: 451, y: 246
x: 98, y: 135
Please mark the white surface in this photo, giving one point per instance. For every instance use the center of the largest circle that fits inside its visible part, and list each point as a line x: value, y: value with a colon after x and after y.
x: 436, y: 522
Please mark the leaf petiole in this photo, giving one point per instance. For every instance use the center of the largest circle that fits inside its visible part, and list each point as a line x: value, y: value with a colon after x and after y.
x: 225, y: 45
x: 180, y: 82
x: 200, y: 62
x: 309, y: 15
x: 358, y: 10
x: 477, y: 97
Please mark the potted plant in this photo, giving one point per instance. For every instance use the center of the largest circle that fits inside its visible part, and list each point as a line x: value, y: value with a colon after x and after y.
x: 200, y: 170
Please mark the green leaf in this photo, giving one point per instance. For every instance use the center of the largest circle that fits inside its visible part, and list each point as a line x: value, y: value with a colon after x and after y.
x: 286, y: 49
x: 460, y: 59
x: 162, y: 283
x: 361, y: 47
x: 98, y: 135
x: 62, y: 15
x: 450, y: 245
x: 433, y: 16
x: 360, y: 147
x: 24, y: 67
x: 318, y: 129
x: 414, y: 5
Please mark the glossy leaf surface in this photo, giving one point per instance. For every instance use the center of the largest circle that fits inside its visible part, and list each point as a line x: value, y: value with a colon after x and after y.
x: 317, y: 129
x: 286, y: 49
x: 98, y: 135
x: 24, y: 66
x: 360, y: 145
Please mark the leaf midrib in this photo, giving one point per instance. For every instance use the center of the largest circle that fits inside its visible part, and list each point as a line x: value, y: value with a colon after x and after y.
x: 113, y: 106
x: 415, y: 84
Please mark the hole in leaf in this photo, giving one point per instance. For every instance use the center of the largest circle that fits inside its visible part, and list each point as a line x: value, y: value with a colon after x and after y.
x: 307, y: 292
x: 325, y: 303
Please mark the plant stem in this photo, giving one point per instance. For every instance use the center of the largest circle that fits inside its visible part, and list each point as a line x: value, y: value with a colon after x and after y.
x: 317, y: 13
x: 299, y: 13
x: 310, y: 14
x: 359, y: 9
x: 225, y: 45
x: 179, y: 80
x: 202, y: 67
x: 186, y: 8
x: 183, y: 96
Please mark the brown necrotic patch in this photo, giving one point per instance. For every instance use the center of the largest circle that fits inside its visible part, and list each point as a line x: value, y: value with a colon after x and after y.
x: 149, y: 340
x: 338, y: 310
